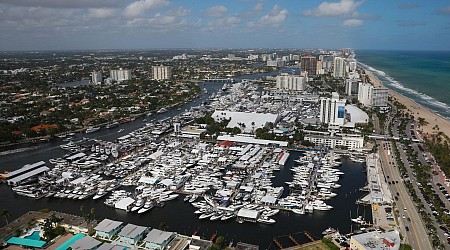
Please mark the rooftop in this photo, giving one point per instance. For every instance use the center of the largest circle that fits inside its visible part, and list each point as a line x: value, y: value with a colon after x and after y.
x: 108, y: 225
x: 131, y: 231
x: 158, y: 236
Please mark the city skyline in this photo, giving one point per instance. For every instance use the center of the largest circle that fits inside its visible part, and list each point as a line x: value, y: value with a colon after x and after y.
x: 147, y: 24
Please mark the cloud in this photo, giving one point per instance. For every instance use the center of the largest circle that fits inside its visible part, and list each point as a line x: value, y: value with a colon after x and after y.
x: 444, y: 11
x: 410, y: 23
x: 352, y: 23
x: 102, y: 13
x: 344, y: 8
x: 275, y: 17
x: 180, y: 11
x: 226, y: 21
x: 216, y: 11
x: 138, y: 8
x: 53, y: 4
x: 407, y: 6
x: 258, y: 7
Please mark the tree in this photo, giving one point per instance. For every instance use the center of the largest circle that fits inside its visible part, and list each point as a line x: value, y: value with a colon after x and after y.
x: 5, y: 214
x: 92, y: 214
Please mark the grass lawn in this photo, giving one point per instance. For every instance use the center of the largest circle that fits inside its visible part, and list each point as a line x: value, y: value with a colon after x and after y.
x: 316, y: 246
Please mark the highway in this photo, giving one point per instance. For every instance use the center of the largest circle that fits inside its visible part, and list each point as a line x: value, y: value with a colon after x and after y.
x: 410, y: 222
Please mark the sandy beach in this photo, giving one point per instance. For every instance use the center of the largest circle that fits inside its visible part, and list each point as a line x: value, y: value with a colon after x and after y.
x: 417, y: 110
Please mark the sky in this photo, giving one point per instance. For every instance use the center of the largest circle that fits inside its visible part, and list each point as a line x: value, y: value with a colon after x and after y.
x: 146, y: 24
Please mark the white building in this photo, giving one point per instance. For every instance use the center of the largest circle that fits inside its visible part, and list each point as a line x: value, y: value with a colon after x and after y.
x: 107, y: 228
x: 291, y: 82
x: 351, y: 87
x: 132, y: 234
x: 371, y: 96
x: 162, y: 72
x: 332, y: 110
x: 158, y: 240
x: 365, y: 94
x: 380, y: 97
x: 332, y: 141
x: 96, y: 77
x: 120, y: 75
x: 339, y: 67
x: 376, y: 241
x: 247, y: 122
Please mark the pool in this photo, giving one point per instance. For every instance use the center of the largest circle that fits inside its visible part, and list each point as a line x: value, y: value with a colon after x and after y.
x: 34, y: 236
x: 67, y: 243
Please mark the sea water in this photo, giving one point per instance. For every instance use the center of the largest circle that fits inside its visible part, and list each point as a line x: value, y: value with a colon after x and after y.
x: 423, y: 76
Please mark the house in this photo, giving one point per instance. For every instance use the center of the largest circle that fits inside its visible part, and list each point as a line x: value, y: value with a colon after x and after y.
x: 86, y: 243
x: 158, y: 239
x: 132, y: 234
x: 107, y: 228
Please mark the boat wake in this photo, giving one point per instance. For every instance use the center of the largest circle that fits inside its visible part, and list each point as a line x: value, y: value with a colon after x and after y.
x: 389, y: 81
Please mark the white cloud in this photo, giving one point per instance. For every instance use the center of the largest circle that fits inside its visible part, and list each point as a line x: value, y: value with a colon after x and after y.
x: 258, y: 7
x: 342, y: 8
x: 353, y: 23
x: 275, y: 17
x: 224, y: 22
x: 102, y: 13
x: 180, y: 11
x: 216, y: 11
x: 138, y: 8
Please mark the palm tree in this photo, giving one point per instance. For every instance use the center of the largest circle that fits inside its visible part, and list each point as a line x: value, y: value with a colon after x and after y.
x: 92, y: 216
x: 5, y: 214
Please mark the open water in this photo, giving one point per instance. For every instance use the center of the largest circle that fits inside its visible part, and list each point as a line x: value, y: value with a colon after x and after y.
x: 423, y: 76
x: 179, y: 216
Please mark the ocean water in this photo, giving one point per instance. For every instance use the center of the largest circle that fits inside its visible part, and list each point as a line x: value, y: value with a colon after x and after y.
x: 423, y: 76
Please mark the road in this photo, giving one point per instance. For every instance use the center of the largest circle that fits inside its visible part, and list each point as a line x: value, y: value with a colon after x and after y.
x: 410, y: 222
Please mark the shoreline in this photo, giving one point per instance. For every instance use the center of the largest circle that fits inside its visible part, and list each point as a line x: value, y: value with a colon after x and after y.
x: 41, y: 139
x: 416, y: 109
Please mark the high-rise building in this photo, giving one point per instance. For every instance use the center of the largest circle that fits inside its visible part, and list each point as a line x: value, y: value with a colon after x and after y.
x: 96, y: 77
x: 120, y: 75
x: 162, y: 72
x: 380, y: 97
x: 309, y: 64
x: 365, y: 94
x: 339, y: 67
x: 351, y: 86
x: 332, y: 110
x: 291, y: 82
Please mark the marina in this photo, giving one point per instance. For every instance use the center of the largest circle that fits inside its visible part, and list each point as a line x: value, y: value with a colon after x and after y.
x: 153, y: 165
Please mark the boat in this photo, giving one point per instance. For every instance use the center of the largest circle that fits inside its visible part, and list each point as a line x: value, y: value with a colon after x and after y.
x: 206, y: 215
x: 139, y: 204
x: 193, y: 198
x: 329, y: 230
x: 216, y: 216
x: 358, y: 220
x: 227, y: 216
x: 120, y: 130
x: 92, y: 130
x: 298, y: 211
x: 162, y: 110
x: 265, y: 220
x: 167, y: 197
x: 112, y: 125
x: 147, y: 206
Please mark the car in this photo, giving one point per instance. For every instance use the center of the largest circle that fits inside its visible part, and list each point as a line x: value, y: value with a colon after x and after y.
x: 403, y: 216
x: 404, y: 209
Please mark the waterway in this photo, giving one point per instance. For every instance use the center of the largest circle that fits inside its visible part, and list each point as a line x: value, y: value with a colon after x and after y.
x: 179, y: 216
